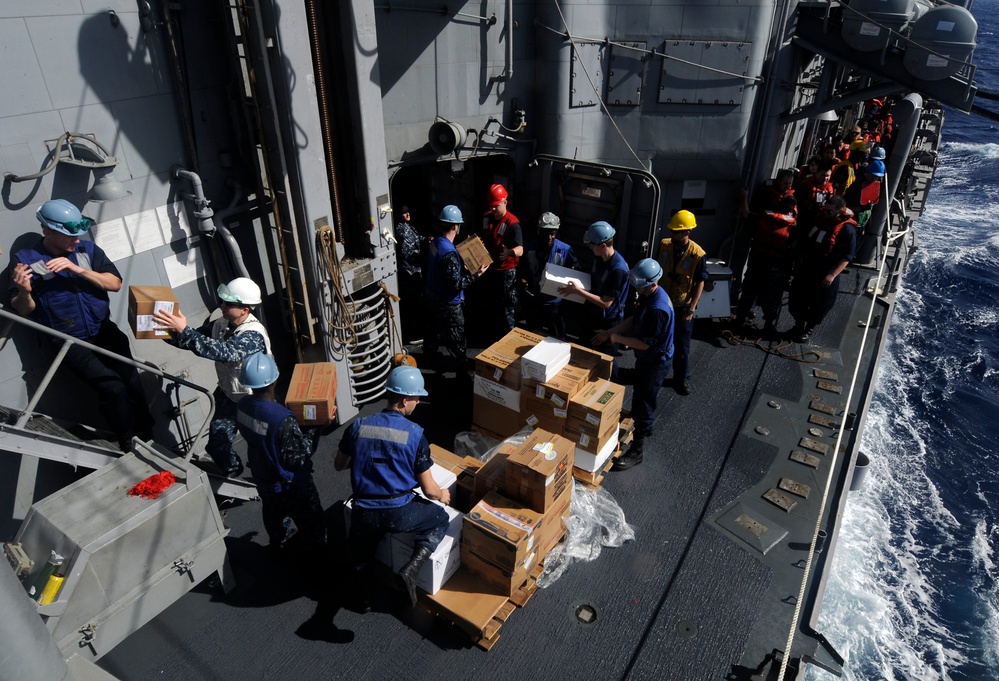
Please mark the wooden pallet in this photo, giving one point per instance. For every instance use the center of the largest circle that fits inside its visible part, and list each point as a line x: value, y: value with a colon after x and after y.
x: 467, y: 603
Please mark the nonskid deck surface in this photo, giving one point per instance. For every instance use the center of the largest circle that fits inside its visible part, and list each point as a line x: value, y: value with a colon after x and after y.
x: 683, y: 601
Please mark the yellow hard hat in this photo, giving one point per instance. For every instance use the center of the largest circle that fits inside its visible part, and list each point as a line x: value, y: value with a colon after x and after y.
x: 683, y: 221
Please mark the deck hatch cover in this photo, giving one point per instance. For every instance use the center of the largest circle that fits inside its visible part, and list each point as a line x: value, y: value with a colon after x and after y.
x: 756, y: 530
x: 794, y: 487
x: 712, y: 88
x: 805, y: 458
x: 820, y: 420
x: 819, y: 405
x: 780, y: 500
x: 809, y: 443
x: 831, y: 387
x: 624, y: 76
x: 828, y: 375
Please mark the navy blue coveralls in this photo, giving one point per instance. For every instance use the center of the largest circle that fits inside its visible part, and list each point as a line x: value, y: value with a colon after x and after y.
x: 653, y: 324
x: 388, y: 453
x: 279, y: 458
x: 69, y: 303
x: 543, y: 310
x: 608, y: 278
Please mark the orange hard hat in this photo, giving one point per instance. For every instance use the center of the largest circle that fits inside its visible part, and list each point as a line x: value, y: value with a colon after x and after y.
x: 497, y: 193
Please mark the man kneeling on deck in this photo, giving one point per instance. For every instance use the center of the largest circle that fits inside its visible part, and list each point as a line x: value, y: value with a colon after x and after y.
x: 649, y: 332
x: 388, y: 456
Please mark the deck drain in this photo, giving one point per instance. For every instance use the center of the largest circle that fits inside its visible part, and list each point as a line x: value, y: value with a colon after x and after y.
x: 585, y: 613
x: 686, y: 629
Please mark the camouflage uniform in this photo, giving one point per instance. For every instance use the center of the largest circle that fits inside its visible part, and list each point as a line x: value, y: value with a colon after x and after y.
x: 447, y: 320
x: 411, y: 247
x: 232, y: 349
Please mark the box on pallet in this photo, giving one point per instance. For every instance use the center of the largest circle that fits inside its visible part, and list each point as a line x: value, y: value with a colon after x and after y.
x: 592, y: 461
x: 539, y: 471
x: 597, y: 363
x: 312, y: 393
x: 443, y: 562
x: 499, y: 580
x: 143, y: 301
x: 545, y: 359
x: 500, y: 362
x: 492, y: 474
x: 500, y: 531
x: 595, y: 408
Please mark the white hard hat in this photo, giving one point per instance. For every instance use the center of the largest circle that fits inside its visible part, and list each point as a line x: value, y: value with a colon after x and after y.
x: 241, y: 291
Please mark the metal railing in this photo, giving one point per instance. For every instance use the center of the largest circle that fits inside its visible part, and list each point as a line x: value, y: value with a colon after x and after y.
x: 187, y: 443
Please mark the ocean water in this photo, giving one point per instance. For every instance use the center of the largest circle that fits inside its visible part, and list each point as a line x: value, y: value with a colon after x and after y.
x: 913, y: 592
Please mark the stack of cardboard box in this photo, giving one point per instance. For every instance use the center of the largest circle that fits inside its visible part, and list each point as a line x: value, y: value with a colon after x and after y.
x: 526, y: 380
x: 526, y: 491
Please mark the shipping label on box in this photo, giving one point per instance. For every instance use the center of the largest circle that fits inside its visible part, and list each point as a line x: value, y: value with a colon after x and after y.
x: 538, y: 473
x: 556, y: 276
x: 500, y: 362
x: 474, y: 253
x: 143, y: 301
x: 560, y: 387
x: 501, y: 531
x: 312, y: 393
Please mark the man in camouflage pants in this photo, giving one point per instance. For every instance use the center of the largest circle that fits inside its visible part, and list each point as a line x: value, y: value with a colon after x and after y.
x: 446, y: 280
x: 228, y: 341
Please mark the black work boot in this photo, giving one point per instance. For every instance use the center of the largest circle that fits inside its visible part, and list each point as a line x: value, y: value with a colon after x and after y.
x: 633, y: 457
x: 410, y: 572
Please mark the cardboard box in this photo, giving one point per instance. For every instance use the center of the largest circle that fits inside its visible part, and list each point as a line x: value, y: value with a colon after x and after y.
x: 500, y: 362
x: 312, y: 393
x: 498, y: 580
x: 560, y: 388
x: 539, y: 471
x: 492, y: 475
x: 588, y: 441
x: 595, y: 408
x: 491, y: 408
x: 590, y: 462
x: 143, y: 301
x: 444, y: 561
x: 446, y: 459
x: 474, y: 253
x: 500, y: 531
x: 554, y: 525
x: 556, y: 276
x: 597, y: 363
x: 444, y: 478
x: 545, y: 359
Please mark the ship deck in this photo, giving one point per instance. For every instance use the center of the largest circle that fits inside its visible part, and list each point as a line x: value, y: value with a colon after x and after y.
x: 693, y: 597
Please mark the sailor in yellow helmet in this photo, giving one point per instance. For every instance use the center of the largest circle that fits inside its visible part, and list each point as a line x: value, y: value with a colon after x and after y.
x: 684, y: 275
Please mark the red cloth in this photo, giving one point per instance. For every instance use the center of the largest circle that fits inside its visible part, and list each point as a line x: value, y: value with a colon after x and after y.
x: 153, y: 486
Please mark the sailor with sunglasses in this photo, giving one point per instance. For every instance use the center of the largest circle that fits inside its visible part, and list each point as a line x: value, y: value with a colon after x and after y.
x: 63, y: 282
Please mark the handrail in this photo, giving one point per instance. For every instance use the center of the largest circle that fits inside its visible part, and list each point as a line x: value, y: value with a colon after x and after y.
x: 71, y: 340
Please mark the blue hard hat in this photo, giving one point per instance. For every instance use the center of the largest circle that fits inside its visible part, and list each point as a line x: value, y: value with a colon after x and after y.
x: 451, y: 215
x: 645, y: 273
x: 598, y: 233
x: 63, y: 217
x: 876, y: 168
x: 878, y: 153
x: 406, y: 381
x: 259, y: 371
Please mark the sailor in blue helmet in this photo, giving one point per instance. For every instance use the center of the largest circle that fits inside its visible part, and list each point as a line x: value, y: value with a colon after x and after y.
x: 608, y: 294
x: 649, y: 332
x: 446, y: 279
x: 63, y: 282
x: 280, y: 458
x: 388, y: 457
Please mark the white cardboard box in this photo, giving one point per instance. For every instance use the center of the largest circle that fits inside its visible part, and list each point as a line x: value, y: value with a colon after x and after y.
x: 591, y: 462
x: 444, y: 561
x: 444, y: 478
x: 556, y: 276
x: 545, y: 359
x: 494, y: 392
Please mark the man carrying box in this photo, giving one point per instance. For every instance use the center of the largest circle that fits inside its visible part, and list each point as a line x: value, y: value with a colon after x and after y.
x: 279, y: 456
x: 388, y: 456
x: 649, y: 332
x: 228, y: 341
x: 545, y: 311
x: 63, y: 283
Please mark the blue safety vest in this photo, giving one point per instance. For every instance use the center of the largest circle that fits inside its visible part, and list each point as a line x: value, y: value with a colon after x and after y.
x: 439, y: 290
x: 385, y: 448
x: 661, y: 349
x: 599, y: 276
x: 65, y: 301
x: 259, y: 422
